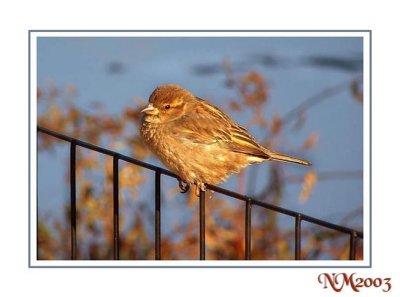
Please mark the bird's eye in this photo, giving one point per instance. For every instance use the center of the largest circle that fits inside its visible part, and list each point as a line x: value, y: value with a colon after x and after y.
x: 167, y: 106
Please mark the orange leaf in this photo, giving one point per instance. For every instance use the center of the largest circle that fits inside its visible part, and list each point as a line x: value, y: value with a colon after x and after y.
x: 235, y: 106
x: 311, y: 141
x: 254, y: 89
x: 310, y: 180
x: 356, y: 91
x: 276, y: 124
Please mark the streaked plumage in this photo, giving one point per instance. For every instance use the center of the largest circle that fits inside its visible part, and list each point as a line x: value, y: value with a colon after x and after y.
x: 196, y: 140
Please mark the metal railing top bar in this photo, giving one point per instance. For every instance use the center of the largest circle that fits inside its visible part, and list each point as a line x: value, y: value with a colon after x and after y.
x: 105, y: 151
x: 303, y: 217
x: 286, y: 211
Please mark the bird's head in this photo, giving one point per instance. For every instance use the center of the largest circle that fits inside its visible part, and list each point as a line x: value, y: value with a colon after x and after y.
x: 167, y: 103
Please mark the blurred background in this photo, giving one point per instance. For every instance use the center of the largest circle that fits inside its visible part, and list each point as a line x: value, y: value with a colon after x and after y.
x: 297, y: 95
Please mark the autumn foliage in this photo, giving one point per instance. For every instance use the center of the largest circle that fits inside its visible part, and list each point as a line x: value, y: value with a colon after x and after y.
x: 58, y: 111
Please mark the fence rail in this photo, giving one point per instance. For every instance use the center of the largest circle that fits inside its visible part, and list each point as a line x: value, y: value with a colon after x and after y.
x: 354, y: 235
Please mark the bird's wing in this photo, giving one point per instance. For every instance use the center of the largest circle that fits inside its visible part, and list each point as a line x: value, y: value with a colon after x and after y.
x: 198, y: 128
x: 243, y: 142
x: 207, y: 124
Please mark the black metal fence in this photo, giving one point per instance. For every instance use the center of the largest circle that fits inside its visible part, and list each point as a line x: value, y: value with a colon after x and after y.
x: 249, y: 203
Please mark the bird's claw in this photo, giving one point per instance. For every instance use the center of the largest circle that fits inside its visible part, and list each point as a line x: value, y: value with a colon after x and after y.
x: 184, y: 186
x: 200, y: 186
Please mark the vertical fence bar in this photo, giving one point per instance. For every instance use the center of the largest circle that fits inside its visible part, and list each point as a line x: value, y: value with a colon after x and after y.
x: 202, y: 222
x: 157, y: 215
x: 247, y: 243
x: 116, y: 207
x: 73, y: 199
x: 297, y: 244
x: 353, y: 245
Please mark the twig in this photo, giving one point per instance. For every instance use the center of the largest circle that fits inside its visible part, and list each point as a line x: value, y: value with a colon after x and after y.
x: 317, y: 98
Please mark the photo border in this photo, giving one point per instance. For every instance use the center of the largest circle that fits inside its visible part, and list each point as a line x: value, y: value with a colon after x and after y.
x: 367, y: 150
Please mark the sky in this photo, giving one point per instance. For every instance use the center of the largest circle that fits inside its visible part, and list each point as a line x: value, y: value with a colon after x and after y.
x: 115, y: 71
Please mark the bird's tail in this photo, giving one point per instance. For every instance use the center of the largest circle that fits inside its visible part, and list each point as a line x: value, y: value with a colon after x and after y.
x: 285, y: 158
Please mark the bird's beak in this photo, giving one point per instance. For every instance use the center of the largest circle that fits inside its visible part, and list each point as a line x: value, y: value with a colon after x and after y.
x: 150, y: 109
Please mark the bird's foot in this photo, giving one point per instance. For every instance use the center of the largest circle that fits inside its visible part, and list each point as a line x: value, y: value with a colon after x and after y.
x: 184, y: 186
x: 200, y: 186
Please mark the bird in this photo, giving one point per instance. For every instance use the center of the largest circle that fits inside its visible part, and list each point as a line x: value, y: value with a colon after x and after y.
x: 197, y: 141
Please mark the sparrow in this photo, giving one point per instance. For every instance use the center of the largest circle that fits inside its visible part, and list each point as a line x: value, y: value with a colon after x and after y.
x: 197, y: 141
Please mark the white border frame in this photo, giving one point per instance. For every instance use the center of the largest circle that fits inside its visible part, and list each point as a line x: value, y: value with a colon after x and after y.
x: 367, y: 262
